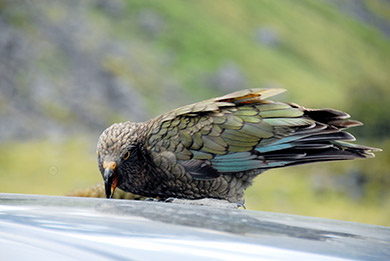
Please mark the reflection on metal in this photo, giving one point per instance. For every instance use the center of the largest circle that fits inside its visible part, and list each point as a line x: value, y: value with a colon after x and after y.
x: 84, y: 228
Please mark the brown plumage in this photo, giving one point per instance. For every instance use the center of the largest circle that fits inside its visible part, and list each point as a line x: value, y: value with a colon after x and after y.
x: 215, y: 148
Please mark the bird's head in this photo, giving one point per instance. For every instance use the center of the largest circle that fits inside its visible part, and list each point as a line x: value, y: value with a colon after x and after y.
x: 116, y: 151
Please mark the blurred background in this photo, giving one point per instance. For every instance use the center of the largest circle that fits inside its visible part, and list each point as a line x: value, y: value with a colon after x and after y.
x: 69, y: 69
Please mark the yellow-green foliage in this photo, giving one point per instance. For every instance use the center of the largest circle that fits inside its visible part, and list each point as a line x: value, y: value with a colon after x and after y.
x: 47, y: 167
x: 323, y: 53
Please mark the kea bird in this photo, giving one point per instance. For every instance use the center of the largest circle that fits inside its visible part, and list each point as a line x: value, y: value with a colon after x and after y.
x: 215, y: 148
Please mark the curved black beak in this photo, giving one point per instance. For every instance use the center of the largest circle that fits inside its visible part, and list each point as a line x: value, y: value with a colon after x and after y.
x: 110, y: 178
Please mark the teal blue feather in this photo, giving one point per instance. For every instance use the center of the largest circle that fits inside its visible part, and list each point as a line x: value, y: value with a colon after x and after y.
x: 272, y: 147
x: 235, y: 166
x: 288, y: 139
x: 239, y: 156
x: 243, y: 164
x: 283, y: 143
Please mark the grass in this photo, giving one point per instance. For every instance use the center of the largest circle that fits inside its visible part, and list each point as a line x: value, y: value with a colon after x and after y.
x: 46, y: 167
x: 321, y: 56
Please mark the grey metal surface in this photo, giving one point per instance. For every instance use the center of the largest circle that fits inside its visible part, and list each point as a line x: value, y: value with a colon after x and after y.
x: 43, y: 227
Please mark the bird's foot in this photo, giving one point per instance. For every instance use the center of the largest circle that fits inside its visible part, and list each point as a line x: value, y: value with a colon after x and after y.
x: 152, y: 199
x: 211, y: 202
x: 241, y: 204
x: 169, y: 200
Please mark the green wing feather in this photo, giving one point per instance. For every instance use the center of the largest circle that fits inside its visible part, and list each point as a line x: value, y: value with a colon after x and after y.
x: 242, y: 131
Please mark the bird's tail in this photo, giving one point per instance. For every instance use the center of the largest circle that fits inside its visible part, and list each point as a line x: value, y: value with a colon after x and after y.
x: 327, y: 140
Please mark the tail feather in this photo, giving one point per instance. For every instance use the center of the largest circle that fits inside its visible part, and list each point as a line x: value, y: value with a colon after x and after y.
x: 329, y: 136
x: 318, y: 155
x: 326, y: 140
x: 305, y: 146
x: 325, y: 115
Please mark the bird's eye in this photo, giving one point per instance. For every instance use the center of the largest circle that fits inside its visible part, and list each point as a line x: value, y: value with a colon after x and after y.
x: 126, y: 155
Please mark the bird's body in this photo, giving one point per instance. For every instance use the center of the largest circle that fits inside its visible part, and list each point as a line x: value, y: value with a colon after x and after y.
x: 215, y: 148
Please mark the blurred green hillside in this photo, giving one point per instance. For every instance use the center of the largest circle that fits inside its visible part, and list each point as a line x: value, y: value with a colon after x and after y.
x: 69, y: 70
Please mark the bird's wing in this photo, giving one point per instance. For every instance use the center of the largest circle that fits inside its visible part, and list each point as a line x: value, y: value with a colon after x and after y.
x: 242, y: 131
